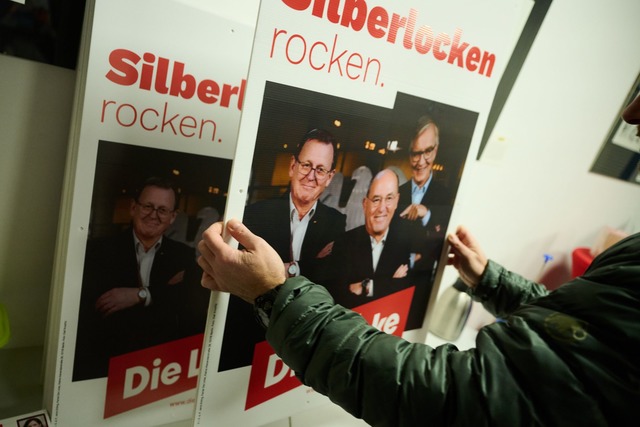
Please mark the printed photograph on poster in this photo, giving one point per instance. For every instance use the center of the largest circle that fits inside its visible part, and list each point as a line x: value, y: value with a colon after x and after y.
x: 141, y: 283
x: 33, y: 420
x: 619, y: 156
x: 331, y: 179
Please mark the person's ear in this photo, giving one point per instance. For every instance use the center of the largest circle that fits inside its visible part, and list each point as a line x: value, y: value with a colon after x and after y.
x: 292, y: 167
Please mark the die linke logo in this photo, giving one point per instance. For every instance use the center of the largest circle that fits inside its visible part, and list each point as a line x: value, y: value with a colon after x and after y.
x: 141, y: 377
x: 270, y: 377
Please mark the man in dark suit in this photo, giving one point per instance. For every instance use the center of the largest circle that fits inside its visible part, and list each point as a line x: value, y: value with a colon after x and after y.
x: 375, y: 260
x: 372, y: 260
x: 299, y: 227
x: 134, y: 293
x: 423, y: 199
x: 425, y: 206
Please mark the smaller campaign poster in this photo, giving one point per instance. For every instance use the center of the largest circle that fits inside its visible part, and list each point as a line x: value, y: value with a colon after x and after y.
x: 159, y: 96
x: 31, y: 419
x: 359, y: 119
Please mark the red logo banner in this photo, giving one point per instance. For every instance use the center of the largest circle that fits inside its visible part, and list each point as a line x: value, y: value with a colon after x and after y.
x: 388, y: 314
x: 270, y: 377
x: 142, y: 377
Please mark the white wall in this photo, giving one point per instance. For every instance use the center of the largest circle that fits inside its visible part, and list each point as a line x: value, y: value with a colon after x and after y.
x: 35, y: 111
x: 531, y: 194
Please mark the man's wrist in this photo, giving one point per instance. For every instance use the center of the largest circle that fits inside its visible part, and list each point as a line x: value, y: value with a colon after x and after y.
x: 143, y: 295
x: 263, y: 305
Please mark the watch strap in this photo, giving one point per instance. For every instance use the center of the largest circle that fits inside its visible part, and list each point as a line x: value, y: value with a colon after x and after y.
x: 263, y: 306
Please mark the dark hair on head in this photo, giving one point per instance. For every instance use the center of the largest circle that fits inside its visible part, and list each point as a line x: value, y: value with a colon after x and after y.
x: 423, y: 123
x: 38, y: 420
x: 160, y: 182
x: 320, y: 135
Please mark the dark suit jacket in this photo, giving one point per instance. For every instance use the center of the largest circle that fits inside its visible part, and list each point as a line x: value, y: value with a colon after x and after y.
x: 438, y: 199
x: 111, y: 263
x: 353, y: 262
x: 269, y: 219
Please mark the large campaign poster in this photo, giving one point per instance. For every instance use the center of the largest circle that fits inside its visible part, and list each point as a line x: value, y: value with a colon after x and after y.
x: 158, y: 101
x: 359, y: 119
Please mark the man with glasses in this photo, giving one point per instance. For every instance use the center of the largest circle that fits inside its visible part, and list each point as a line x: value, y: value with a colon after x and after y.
x: 298, y: 226
x: 423, y: 199
x: 134, y: 286
x: 373, y: 260
x: 425, y: 206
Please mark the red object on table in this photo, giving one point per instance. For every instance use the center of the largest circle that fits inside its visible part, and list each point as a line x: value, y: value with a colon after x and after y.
x: 581, y: 259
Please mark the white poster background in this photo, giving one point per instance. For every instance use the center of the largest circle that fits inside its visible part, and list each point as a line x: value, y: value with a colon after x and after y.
x: 213, y: 43
x: 493, y: 26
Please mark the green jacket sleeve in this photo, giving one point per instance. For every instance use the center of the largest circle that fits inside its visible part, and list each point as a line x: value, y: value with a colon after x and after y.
x: 367, y: 372
x: 568, y: 358
x: 501, y: 291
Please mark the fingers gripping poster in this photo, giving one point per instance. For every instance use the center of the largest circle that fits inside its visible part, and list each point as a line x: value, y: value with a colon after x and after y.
x: 359, y: 117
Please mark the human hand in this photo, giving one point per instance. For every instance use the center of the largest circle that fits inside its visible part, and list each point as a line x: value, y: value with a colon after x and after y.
x: 117, y: 299
x: 414, y: 211
x: 466, y: 256
x: 401, y: 271
x: 325, y: 251
x: 356, y: 288
x: 246, y: 273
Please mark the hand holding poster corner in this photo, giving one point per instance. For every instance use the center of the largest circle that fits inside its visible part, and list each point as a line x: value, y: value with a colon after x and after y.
x: 365, y: 71
x: 160, y: 89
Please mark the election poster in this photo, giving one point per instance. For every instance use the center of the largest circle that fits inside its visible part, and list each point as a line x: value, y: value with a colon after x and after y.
x: 160, y: 89
x: 359, y: 118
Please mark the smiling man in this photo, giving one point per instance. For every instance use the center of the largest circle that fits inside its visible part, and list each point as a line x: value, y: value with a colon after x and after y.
x: 133, y: 287
x: 373, y: 260
x: 298, y: 226
x: 423, y: 198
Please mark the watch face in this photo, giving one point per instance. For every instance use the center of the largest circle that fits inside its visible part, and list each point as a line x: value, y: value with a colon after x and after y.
x: 293, y: 269
x: 142, y: 293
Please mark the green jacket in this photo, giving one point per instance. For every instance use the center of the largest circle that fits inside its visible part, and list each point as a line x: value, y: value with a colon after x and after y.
x: 562, y: 358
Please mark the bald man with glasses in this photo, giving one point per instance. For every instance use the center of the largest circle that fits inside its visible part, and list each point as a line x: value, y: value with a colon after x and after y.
x: 374, y: 260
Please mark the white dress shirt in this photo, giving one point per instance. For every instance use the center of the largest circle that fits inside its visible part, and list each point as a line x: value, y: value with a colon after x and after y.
x: 298, y: 228
x: 145, y: 262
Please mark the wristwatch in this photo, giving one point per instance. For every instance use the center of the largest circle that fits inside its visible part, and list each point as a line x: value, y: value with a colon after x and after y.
x: 263, y: 306
x: 293, y: 269
x: 142, y: 294
x: 367, y: 287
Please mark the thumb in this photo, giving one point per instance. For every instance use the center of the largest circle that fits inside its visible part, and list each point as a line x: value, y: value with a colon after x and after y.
x: 243, y: 235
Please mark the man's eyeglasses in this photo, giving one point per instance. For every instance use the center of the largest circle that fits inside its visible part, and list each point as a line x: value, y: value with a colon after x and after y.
x: 388, y: 200
x: 305, y: 168
x: 148, y: 208
x: 426, y: 153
